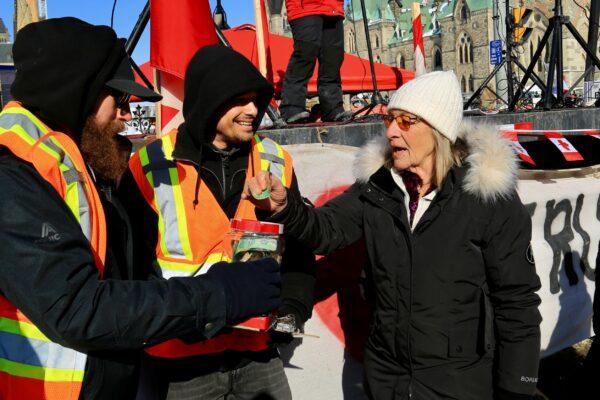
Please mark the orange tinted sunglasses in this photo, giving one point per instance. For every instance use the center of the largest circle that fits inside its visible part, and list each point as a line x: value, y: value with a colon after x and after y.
x: 404, y: 121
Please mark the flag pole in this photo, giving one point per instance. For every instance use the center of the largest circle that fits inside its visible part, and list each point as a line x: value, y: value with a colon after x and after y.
x: 260, y: 38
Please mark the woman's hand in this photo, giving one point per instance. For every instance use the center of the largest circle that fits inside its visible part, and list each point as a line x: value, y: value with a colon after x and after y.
x: 264, y: 184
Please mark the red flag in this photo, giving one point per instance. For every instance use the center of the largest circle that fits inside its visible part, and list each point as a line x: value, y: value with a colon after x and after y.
x: 566, y: 148
x: 518, y: 147
x: 178, y: 28
x: 418, y: 45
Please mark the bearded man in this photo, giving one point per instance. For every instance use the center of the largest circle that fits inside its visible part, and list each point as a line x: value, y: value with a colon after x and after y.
x: 74, y: 315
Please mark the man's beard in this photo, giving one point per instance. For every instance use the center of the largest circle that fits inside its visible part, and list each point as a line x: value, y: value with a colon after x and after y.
x: 105, y: 151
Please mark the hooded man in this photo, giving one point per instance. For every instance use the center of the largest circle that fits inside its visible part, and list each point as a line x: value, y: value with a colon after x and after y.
x: 191, y: 182
x: 71, y: 324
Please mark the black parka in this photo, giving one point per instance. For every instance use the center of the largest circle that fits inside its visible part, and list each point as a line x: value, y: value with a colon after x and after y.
x: 456, y: 313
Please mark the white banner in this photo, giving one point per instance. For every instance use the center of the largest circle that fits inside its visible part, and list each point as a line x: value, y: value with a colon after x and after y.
x: 566, y: 236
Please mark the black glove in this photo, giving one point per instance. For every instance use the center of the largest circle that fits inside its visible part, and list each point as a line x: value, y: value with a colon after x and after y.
x: 501, y: 394
x: 252, y: 288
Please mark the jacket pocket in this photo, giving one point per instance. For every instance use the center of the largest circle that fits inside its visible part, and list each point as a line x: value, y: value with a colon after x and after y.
x: 474, y: 339
x: 487, y: 338
x: 462, y: 342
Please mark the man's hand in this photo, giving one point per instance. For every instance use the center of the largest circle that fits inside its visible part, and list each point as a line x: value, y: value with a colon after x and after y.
x: 252, y: 288
x: 262, y: 184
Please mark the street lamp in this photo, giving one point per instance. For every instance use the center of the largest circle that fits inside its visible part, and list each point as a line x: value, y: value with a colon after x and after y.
x: 139, y: 122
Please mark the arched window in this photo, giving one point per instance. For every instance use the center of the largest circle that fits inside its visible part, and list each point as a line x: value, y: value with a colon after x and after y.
x: 471, y: 83
x: 437, y: 60
x: 470, y: 49
x: 465, y: 49
x: 530, y: 51
x: 464, y: 13
x: 351, y: 42
x: 285, y: 22
x: 400, y: 61
x: 376, y: 40
x: 463, y: 84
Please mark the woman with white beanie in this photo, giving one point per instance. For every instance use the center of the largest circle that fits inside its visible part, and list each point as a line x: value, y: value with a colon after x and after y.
x: 456, y: 313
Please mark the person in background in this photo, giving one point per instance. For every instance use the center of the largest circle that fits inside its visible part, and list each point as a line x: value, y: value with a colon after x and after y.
x: 318, y: 31
x: 186, y: 188
x: 73, y: 320
x: 456, y: 310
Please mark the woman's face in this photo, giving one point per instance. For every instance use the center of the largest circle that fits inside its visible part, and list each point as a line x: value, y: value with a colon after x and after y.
x: 411, y: 139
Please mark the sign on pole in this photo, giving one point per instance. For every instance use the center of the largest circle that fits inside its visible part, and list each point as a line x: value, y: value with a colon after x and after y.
x: 495, y: 52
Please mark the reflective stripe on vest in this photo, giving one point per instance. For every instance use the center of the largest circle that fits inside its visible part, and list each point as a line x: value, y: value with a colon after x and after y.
x: 271, y: 157
x: 27, y: 127
x: 162, y: 175
x: 161, y: 172
x: 31, y: 365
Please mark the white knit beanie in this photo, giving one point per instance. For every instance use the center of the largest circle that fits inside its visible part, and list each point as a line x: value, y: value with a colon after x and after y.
x: 435, y: 97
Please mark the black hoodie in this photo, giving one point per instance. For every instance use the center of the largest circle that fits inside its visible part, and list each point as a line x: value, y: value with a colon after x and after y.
x: 215, y: 76
x: 62, y: 65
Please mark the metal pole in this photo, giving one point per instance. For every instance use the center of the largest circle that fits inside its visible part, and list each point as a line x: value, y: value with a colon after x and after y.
x: 376, y: 99
x: 509, y: 37
x: 499, y: 34
x: 592, y: 39
x: 138, y: 29
x: 559, y: 52
x: 484, y: 85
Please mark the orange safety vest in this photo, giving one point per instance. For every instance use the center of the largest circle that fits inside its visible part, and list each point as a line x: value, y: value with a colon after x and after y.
x: 191, y: 238
x: 32, y: 366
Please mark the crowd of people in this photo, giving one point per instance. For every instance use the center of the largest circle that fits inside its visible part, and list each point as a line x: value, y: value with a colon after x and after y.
x: 116, y: 282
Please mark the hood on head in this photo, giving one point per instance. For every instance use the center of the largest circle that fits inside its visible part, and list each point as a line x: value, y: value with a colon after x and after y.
x: 216, y: 75
x: 61, y: 66
x: 492, y: 170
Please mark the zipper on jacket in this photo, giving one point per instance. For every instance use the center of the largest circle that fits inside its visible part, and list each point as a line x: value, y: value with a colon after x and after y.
x: 410, y: 303
x: 224, y: 165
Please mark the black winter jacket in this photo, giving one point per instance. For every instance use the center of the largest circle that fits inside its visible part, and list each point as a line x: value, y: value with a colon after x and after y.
x: 56, y: 284
x: 456, y: 313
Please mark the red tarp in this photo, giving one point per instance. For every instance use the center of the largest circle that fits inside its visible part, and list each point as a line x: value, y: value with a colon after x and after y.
x: 356, y: 75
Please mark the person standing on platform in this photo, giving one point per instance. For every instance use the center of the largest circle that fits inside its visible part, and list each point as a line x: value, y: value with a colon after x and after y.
x: 318, y: 31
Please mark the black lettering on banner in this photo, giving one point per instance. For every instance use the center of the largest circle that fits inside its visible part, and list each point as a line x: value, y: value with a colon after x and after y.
x: 559, y: 242
x: 531, y: 208
x: 584, y: 264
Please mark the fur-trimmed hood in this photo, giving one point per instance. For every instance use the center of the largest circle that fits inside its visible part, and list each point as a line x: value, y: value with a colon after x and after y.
x: 492, y: 165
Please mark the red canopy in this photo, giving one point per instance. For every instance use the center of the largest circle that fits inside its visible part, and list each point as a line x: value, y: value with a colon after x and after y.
x: 355, y: 71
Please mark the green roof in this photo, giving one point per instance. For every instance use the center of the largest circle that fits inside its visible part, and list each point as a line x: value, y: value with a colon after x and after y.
x: 379, y: 10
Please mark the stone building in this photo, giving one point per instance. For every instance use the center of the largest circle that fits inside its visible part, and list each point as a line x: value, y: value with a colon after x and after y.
x: 4, y: 35
x: 456, y: 35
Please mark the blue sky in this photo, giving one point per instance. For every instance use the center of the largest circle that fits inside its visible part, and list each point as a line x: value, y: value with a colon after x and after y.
x: 126, y: 14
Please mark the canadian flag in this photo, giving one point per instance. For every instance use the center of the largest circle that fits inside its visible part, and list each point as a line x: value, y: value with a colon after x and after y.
x: 521, y: 152
x: 566, y: 148
x: 418, y: 45
x: 593, y: 133
x: 178, y: 28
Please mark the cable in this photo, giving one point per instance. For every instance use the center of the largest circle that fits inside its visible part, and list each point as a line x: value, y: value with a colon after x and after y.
x: 583, y: 8
x: 112, y: 14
